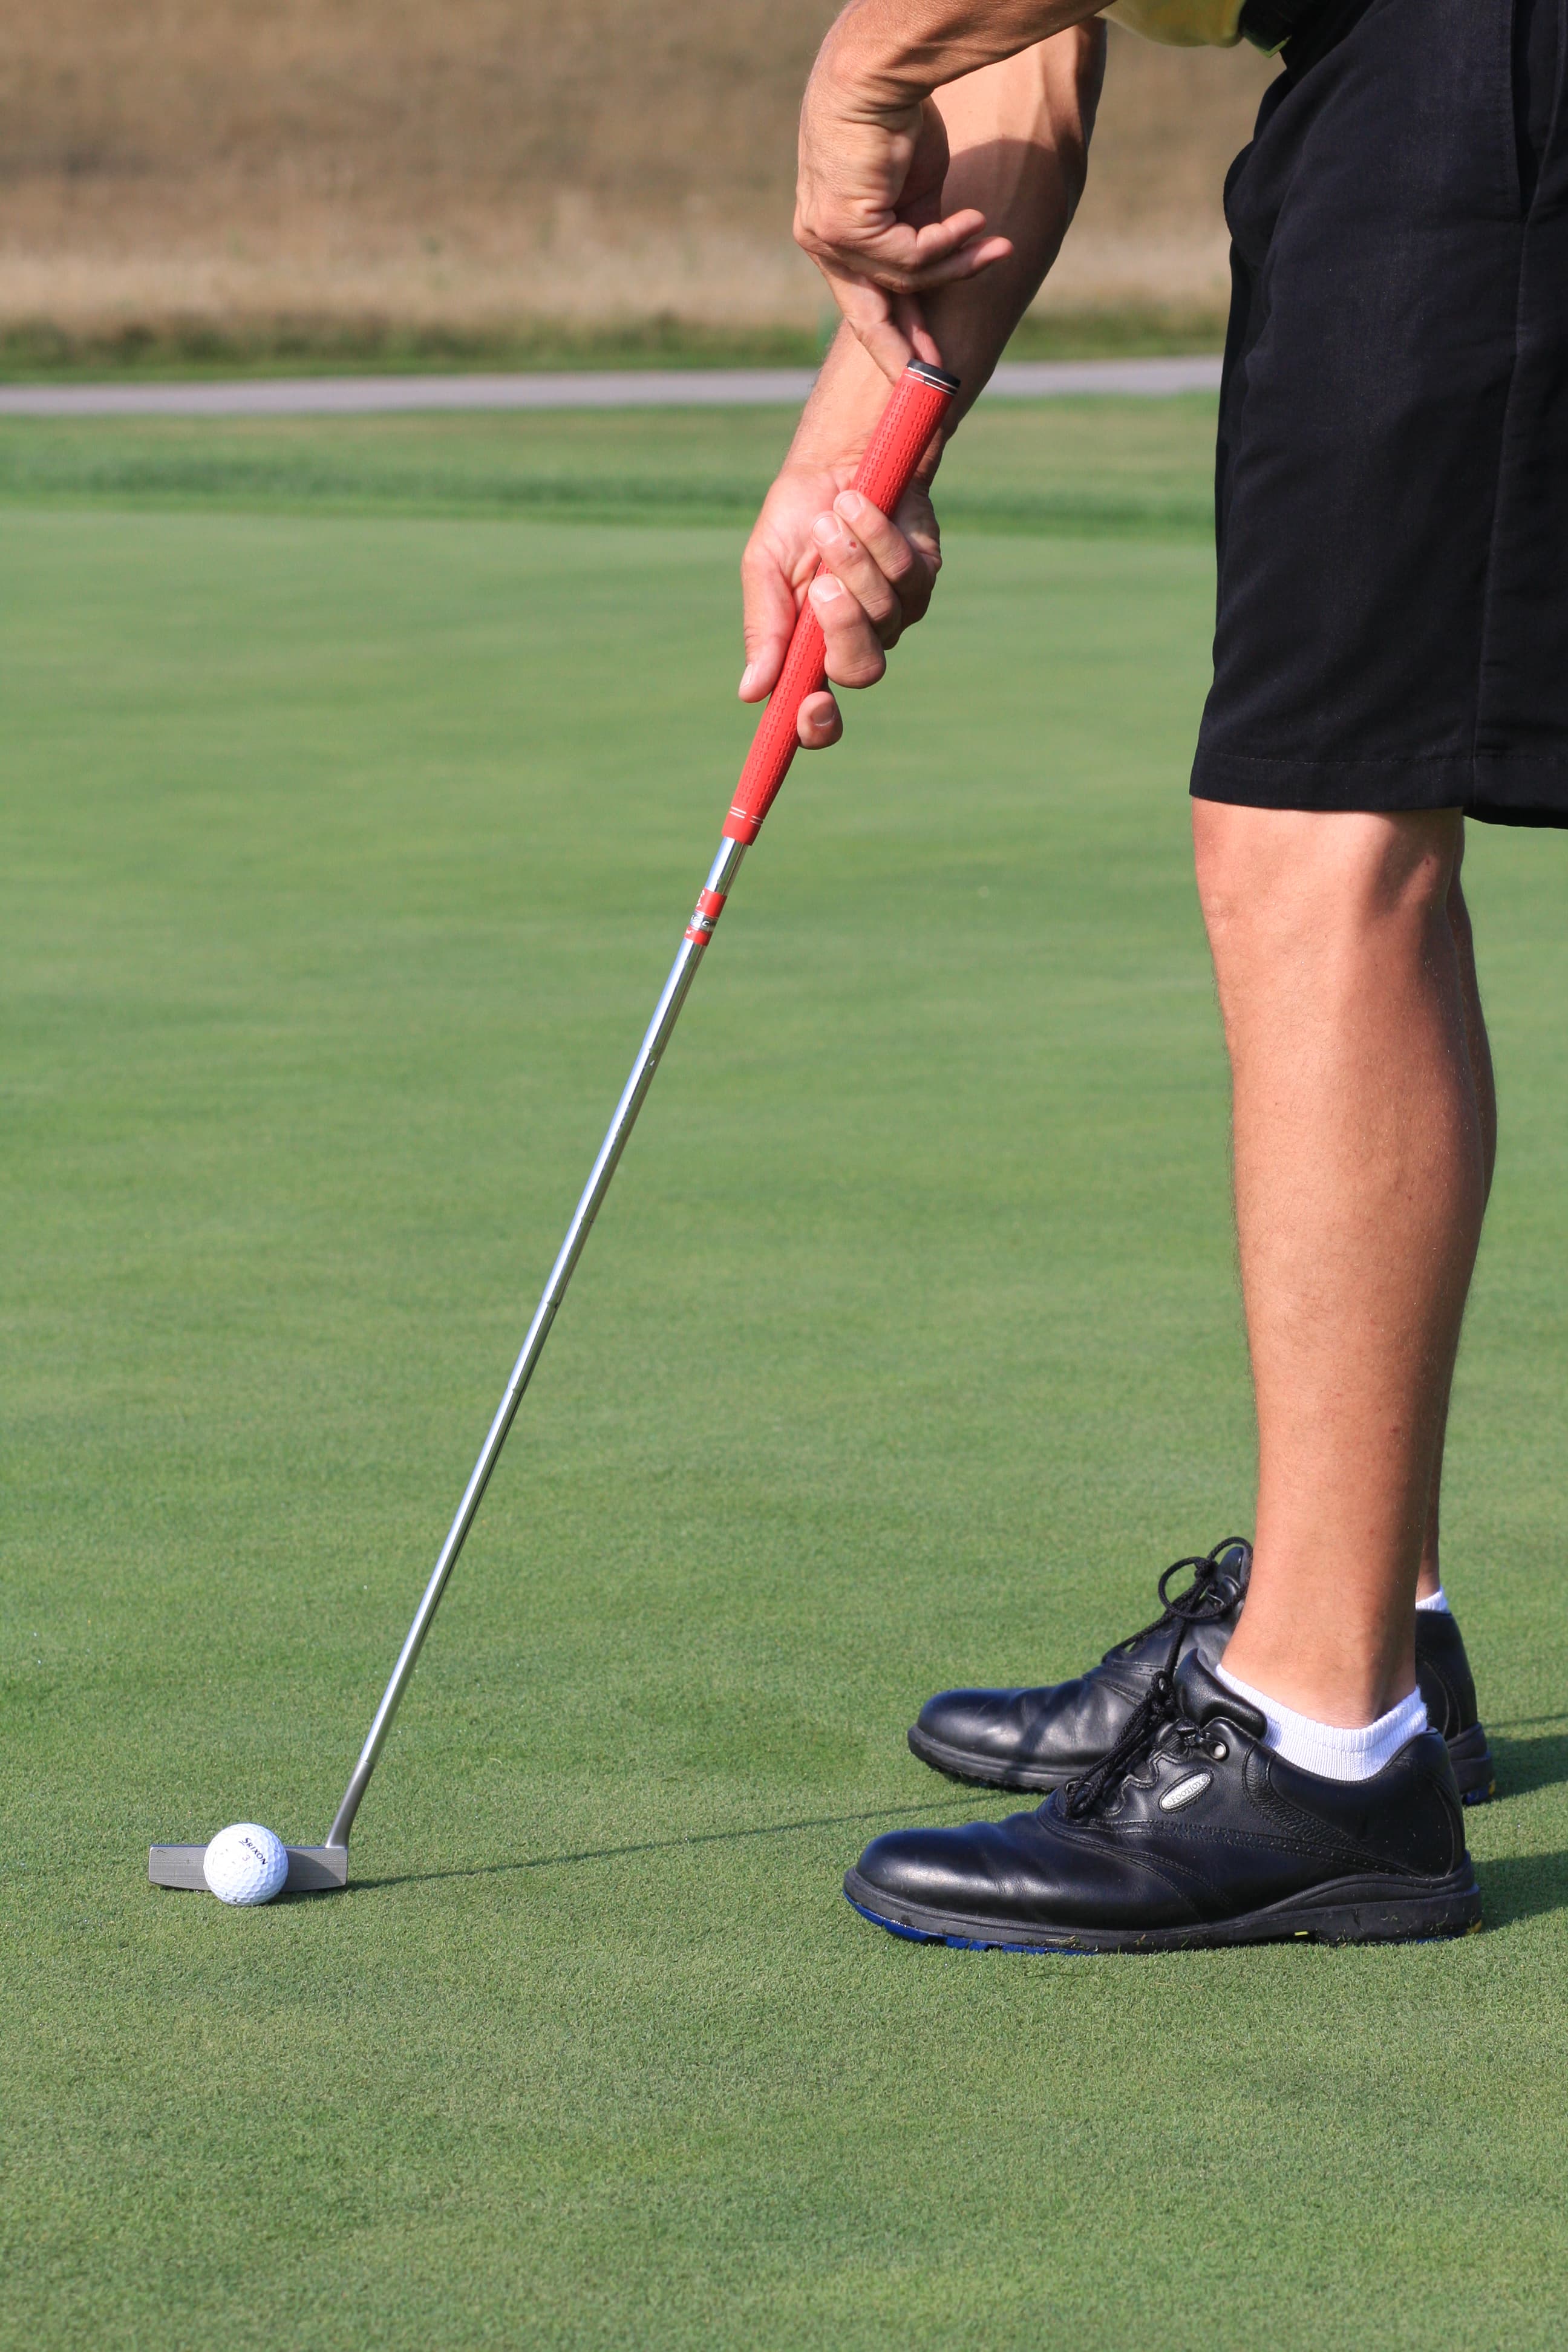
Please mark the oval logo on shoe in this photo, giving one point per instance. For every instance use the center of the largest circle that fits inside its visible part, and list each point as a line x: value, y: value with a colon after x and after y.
x: 1184, y: 1791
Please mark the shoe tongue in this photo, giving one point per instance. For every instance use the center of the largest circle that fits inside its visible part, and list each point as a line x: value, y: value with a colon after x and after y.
x: 1203, y: 1696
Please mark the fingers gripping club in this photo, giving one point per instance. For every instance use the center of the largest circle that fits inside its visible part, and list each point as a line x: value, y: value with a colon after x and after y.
x: 922, y: 398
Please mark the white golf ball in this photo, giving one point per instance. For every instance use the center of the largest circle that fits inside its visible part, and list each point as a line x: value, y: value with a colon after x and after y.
x: 246, y: 1863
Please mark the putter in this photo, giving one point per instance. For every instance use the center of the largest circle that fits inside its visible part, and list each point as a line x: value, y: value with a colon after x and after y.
x: 920, y: 401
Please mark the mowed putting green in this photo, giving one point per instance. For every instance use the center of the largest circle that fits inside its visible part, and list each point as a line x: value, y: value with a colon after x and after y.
x: 344, y: 853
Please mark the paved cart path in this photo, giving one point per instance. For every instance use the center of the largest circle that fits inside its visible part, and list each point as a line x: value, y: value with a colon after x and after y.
x: 369, y: 395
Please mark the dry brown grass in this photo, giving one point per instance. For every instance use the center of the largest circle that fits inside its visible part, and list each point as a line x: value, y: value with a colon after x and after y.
x: 465, y: 165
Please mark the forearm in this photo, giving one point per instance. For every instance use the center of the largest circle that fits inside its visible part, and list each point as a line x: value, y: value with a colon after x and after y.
x: 1018, y: 134
x: 882, y: 56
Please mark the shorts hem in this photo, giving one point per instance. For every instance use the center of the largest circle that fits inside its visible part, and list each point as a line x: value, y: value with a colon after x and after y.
x: 1519, y: 788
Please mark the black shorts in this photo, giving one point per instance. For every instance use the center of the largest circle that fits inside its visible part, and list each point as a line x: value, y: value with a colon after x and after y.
x: 1392, y: 489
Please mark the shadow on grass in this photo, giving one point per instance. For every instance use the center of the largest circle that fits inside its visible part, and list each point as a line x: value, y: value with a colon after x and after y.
x: 1525, y: 1765
x: 1523, y: 1886
x: 670, y: 1845
x: 1515, y: 1888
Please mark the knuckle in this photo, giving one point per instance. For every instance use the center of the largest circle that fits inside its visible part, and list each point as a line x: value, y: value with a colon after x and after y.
x: 860, y: 668
x: 887, y: 542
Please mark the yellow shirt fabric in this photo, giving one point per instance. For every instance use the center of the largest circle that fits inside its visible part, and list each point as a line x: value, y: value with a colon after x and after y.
x: 1186, y: 24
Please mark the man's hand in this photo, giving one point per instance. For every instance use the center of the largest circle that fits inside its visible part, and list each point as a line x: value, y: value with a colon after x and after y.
x: 874, y: 153
x: 877, y: 578
x: 868, y: 211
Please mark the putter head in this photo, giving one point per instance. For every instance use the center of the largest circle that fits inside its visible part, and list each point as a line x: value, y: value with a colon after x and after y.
x: 312, y: 1869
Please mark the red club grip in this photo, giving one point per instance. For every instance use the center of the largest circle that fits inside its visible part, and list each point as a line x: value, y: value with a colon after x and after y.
x: 920, y: 400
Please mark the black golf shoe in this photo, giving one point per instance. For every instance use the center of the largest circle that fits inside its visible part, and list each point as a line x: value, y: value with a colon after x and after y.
x: 1190, y: 1832
x: 1444, y: 1678
x: 1040, y: 1739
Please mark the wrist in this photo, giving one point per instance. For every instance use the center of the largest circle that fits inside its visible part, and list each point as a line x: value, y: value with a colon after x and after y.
x: 867, y: 69
x: 845, y: 408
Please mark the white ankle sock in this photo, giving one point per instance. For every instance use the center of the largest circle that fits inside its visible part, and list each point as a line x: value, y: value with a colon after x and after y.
x: 1333, y: 1753
x: 1438, y: 1599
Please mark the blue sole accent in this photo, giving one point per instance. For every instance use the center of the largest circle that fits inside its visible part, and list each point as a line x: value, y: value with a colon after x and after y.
x: 1065, y: 1951
x: 965, y: 1942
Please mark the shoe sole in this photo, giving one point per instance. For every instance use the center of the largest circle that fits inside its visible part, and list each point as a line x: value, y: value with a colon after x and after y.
x: 1471, y: 1758
x: 1345, y: 1911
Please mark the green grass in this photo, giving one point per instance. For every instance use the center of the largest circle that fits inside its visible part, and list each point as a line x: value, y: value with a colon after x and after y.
x: 344, y: 855
x: 1143, y: 466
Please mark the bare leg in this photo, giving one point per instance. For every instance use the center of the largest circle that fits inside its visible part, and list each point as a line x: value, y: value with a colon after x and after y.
x: 1480, y: 1057
x: 1360, y: 1185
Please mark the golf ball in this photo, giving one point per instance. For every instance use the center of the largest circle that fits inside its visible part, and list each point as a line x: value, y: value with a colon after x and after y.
x: 246, y: 1863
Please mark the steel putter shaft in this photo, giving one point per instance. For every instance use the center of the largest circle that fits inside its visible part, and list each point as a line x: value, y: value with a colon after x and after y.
x: 919, y: 403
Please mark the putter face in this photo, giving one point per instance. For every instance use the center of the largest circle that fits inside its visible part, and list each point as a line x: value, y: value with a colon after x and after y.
x: 312, y: 1869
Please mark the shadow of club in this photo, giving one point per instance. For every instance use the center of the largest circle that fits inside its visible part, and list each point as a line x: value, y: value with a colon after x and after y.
x: 1513, y: 1887
x: 668, y: 1846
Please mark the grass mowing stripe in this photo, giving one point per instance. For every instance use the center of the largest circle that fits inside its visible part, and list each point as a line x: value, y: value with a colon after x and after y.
x: 342, y: 858
x: 1054, y: 466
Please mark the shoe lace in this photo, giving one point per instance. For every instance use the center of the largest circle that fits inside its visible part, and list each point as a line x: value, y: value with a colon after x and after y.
x: 1157, y: 1721
x: 1212, y: 1591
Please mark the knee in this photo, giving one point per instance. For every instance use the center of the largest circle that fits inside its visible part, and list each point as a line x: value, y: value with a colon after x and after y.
x: 1284, y: 882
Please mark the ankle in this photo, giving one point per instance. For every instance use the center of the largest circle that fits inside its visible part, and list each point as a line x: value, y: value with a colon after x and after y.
x: 1331, y: 1750
x: 1328, y: 1682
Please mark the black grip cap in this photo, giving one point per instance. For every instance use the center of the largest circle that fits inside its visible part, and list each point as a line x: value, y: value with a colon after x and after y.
x: 938, y: 378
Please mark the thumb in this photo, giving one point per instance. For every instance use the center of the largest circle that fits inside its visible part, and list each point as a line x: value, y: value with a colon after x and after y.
x: 767, y: 621
x: 872, y: 318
